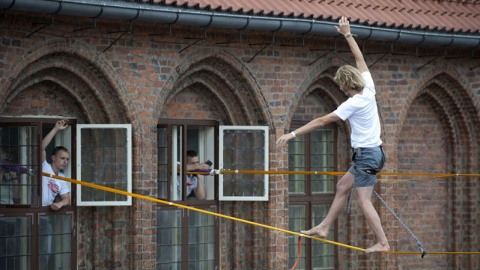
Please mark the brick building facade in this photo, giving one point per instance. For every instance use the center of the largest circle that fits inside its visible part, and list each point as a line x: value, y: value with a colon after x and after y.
x: 429, y: 111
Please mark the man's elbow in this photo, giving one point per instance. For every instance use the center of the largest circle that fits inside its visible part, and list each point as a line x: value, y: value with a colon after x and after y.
x: 319, y: 122
x: 202, y: 195
x: 330, y: 118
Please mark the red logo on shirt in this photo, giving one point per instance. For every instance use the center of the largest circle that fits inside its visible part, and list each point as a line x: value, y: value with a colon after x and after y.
x: 53, y: 187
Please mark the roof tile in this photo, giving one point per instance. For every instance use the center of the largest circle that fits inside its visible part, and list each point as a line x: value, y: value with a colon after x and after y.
x: 447, y: 15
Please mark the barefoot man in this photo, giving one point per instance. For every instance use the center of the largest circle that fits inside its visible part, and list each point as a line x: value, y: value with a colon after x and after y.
x: 360, y: 109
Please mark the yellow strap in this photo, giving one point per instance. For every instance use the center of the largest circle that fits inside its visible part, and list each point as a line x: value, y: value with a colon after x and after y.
x: 238, y: 219
x: 191, y: 208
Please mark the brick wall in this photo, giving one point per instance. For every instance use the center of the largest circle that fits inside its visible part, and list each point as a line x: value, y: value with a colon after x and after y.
x: 422, y: 204
x: 429, y: 116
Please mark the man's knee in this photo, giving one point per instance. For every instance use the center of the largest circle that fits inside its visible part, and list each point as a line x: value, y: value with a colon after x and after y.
x: 342, y: 188
x: 362, y: 202
x: 345, y: 184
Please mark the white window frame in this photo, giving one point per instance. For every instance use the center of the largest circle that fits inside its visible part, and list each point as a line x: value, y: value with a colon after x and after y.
x: 223, y: 197
x: 207, y: 152
x: 177, y: 132
x: 128, y: 201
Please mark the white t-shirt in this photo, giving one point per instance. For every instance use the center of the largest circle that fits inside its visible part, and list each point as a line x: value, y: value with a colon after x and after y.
x: 192, y: 183
x: 362, y: 114
x: 52, y: 186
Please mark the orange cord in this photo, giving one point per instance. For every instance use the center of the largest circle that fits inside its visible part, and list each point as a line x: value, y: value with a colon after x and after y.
x: 246, y: 221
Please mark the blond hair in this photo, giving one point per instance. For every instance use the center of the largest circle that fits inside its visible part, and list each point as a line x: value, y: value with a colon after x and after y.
x: 349, y: 77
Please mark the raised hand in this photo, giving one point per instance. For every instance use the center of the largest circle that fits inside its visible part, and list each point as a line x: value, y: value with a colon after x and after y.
x: 344, y: 26
x: 61, y: 124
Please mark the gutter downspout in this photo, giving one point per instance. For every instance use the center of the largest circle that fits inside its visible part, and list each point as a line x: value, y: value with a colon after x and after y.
x: 170, y: 15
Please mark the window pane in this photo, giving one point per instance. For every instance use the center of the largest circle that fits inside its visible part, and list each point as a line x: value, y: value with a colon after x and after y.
x: 296, y: 223
x: 323, y: 254
x: 162, y: 162
x: 201, y: 241
x: 296, y: 162
x: 19, y: 165
x: 245, y: 149
x: 55, y: 242
x: 322, y: 160
x: 311, y: 152
x: 104, y: 158
x: 15, y: 238
x: 169, y: 239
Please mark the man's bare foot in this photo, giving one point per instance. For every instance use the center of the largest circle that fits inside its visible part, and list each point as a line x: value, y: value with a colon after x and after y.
x: 379, y: 247
x: 317, y: 230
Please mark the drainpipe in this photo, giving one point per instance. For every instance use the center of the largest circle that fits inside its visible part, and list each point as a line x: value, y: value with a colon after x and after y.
x: 171, y: 15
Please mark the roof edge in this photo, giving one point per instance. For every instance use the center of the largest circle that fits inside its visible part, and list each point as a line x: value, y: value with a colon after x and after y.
x: 173, y: 15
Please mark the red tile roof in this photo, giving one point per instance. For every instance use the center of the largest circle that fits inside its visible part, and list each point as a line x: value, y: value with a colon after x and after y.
x: 461, y: 16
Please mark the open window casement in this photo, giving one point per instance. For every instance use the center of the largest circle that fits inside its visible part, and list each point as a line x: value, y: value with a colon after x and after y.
x: 104, y: 157
x: 243, y: 148
x: 200, y: 139
x: 176, y: 187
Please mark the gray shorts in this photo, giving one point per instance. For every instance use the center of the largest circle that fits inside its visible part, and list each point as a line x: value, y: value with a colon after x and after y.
x: 368, y: 161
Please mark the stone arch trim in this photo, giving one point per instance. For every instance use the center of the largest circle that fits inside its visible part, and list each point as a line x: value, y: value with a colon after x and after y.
x: 326, y: 88
x: 426, y: 79
x: 208, y: 82
x: 76, y: 89
x: 441, y: 86
x: 86, y: 66
x: 216, y: 65
x: 320, y: 77
x: 446, y: 125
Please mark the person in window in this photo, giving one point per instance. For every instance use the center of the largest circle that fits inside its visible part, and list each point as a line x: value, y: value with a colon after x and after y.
x: 51, y: 188
x: 361, y: 111
x: 195, y: 185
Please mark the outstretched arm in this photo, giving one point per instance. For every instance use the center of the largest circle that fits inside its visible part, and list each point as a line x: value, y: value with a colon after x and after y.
x: 344, y: 29
x: 309, y: 127
x: 60, y: 125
